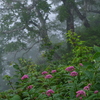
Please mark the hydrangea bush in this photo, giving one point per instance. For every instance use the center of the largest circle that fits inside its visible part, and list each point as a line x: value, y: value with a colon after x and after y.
x: 62, y: 83
x: 75, y: 81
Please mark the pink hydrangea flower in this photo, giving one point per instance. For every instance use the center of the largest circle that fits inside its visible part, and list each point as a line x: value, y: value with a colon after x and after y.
x: 44, y: 72
x: 80, y: 93
x: 86, y: 88
x: 95, y: 92
x: 53, y: 71
x: 48, y: 76
x: 73, y: 73
x: 80, y: 64
x: 30, y: 87
x: 25, y: 76
x: 69, y: 69
x: 49, y: 92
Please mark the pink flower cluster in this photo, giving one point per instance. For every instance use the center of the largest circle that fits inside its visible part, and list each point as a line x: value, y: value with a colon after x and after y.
x: 53, y: 71
x: 95, y: 92
x: 80, y: 64
x: 80, y: 93
x: 44, y: 72
x: 87, y: 87
x: 30, y: 87
x: 49, y: 92
x: 69, y: 69
x: 48, y: 76
x: 73, y: 73
x: 25, y: 76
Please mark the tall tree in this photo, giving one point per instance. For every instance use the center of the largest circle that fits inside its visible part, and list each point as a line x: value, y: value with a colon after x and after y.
x: 79, y: 8
x: 25, y: 24
x: 23, y: 21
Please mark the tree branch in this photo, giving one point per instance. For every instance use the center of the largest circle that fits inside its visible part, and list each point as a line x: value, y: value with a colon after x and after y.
x: 94, y: 11
x: 82, y: 17
x: 14, y: 30
x: 28, y: 49
x: 31, y: 22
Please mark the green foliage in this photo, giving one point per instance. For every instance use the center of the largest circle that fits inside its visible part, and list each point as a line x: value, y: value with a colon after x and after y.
x: 14, y: 46
x: 62, y: 82
x: 44, y: 6
x: 64, y: 85
x: 96, y: 48
x: 80, y: 52
x: 6, y: 77
x: 24, y: 66
x: 49, y: 54
x: 77, y: 53
x: 90, y: 35
x: 16, y: 97
x: 62, y: 13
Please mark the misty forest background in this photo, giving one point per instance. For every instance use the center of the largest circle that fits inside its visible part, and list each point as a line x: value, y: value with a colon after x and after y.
x: 36, y: 30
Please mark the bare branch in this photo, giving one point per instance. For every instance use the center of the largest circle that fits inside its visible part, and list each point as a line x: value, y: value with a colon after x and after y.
x: 46, y: 17
x: 94, y: 11
x: 31, y: 22
x: 16, y: 53
x: 28, y: 49
x: 14, y: 30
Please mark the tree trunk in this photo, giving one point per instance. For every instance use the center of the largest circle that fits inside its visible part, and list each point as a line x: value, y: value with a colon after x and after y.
x: 70, y: 22
x: 43, y: 30
x: 82, y: 17
x: 70, y: 18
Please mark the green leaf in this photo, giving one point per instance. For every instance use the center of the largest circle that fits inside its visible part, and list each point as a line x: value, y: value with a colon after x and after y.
x: 97, y: 56
x: 16, y: 67
x: 91, y: 97
x: 89, y: 74
x: 97, y: 86
x: 96, y: 48
x: 25, y: 94
x: 16, y: 97
x: 32, y: 91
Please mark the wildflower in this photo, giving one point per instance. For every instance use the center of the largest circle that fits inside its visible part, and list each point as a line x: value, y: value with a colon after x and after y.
x: 80, y: 64
x: 44, y: 72
x: 71, y: 68
x: 49, y: 92
x: 53, y: 71
x: 80, y: 93
x: 48, y: 76
x: 89, y: 85
x: 73, y: 73
x: 30, y: 87
x: 86, y: 88
x: 80, y: 98
x: 95, y: 92
x: 25, y: 76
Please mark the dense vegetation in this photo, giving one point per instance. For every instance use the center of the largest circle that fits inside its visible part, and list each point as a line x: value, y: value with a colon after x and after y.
x: 78, y: 79
x: 50, y: 49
